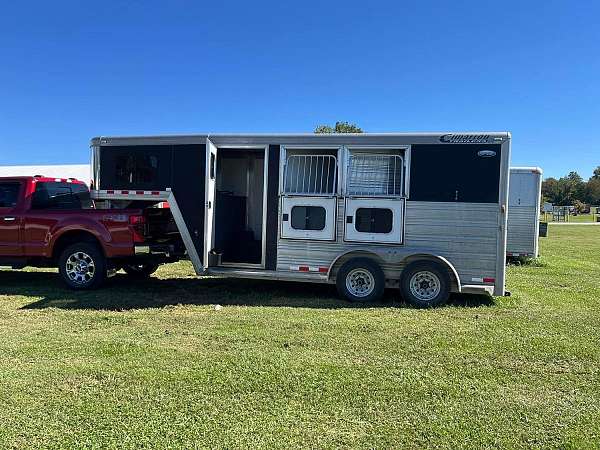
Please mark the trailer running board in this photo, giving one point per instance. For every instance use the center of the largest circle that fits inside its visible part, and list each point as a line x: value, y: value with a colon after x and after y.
x: 260, y: 274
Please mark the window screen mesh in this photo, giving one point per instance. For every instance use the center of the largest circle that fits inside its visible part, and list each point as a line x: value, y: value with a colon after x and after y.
x: 378, y: 175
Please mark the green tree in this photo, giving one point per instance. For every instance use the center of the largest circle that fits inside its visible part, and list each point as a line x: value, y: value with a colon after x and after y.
x: 592, y: 191
x: 340, y: 127
x: 596, y: 175
x: 550, y: 190
x: 575, y: 187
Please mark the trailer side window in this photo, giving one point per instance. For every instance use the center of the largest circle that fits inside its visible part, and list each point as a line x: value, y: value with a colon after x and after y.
x: 455, y: 173
x: 147, y: 167
x: 375, y: 175
x: 136, y: 168
x: 310, y: 172
x: 374, y: 220
x: 308, y: 218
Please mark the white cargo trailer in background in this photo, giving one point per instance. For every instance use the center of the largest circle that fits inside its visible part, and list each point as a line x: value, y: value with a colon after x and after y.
x: 524, y: 203
x: 80, y: 172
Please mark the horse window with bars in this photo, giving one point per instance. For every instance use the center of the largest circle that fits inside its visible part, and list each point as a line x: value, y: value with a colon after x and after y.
x: 379, y: 175
x: 310, y: 174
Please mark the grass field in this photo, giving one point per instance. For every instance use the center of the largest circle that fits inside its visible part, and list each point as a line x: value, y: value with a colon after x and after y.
x: 574, y: 219
x: 583, y: 218
x: 285, y: 365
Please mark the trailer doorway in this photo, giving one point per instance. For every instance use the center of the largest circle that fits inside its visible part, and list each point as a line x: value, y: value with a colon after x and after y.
x: 240, y: 207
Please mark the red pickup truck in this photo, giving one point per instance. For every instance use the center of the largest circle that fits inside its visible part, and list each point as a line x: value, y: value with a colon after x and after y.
x: 50, y: 222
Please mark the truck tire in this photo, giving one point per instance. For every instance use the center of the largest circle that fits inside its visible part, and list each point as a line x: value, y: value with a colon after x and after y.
x: 425, y: 284
x: 360, y: 280
x: 82, y: 266
x: 140, y: 270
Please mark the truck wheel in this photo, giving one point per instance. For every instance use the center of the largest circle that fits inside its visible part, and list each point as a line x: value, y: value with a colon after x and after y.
x: 82, y: 266
x: 140, y: 270
x: 360, y: 280
x: 425, y: 284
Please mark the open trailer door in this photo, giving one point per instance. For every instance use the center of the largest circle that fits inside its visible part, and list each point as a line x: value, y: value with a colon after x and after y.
x: 209, y: 206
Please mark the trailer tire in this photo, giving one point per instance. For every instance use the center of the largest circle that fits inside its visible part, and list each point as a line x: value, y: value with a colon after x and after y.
x: 82, y: 266
x: 425, y: 284
x: 140, y: 270
x: 360, y: 280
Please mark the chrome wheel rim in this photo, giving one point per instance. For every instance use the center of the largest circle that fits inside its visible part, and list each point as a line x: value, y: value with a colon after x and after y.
x: 425, y: 285
x: 360, y: 282
x: 80, y: 268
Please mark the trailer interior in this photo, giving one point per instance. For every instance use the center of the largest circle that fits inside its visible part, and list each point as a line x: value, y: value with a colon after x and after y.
x: 239, y: 206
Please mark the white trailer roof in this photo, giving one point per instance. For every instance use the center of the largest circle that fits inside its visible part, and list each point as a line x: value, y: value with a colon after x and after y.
x: 526, y: 170
x: 79, y: 171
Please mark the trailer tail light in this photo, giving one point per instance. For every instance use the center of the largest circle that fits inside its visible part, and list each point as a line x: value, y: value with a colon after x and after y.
x: 484, y: 280
x: 137, y: 226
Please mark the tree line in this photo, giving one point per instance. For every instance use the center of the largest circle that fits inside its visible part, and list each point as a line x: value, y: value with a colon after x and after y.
x: 572, y: 190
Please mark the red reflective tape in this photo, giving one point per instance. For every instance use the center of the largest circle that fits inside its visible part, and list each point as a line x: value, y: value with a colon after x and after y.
x: 303, y: 268
x: 110, y: 192
x: 155, y: 193
x: 489, y: 280
x: 124, y: 192
x: 139, y: 192
x: 323, y: 269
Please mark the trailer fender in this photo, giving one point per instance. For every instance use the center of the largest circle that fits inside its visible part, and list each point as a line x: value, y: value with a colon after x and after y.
x: 455, y: 280
x: 351, y: 254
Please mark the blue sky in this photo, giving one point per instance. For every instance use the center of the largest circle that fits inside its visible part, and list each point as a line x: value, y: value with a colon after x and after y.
x: 73, y: 70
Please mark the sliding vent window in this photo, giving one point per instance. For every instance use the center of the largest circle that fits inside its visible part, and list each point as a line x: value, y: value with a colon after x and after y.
x: 310, y: 173
x: 308, y: 218
x: 374, y: 220
x: 378, y: 175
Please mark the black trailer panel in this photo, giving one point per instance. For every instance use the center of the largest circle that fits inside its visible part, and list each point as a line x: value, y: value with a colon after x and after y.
x: 180, y: 168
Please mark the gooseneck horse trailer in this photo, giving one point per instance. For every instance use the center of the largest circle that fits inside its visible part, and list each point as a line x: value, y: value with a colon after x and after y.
x: 524, y: 204
x: 425, y: 213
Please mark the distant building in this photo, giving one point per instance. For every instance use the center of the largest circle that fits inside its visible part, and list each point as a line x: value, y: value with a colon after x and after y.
x: 78, y: 171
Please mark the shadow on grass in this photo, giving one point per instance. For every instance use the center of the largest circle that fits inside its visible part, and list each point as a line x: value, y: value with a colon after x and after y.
x: 526, y: 262
x: 122, y: 293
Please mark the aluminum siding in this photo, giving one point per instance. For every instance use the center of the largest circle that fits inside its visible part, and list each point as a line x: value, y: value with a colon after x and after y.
x: 466, y: 234
x: 522, y: 230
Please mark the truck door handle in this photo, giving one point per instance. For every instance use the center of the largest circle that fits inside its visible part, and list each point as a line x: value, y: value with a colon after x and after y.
x: 10, y: 219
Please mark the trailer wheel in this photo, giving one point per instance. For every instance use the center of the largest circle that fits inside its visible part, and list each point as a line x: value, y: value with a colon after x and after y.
x: 140, y: 270
x: 82, y: 266
x: 360, y: 280
x: 425, y: 284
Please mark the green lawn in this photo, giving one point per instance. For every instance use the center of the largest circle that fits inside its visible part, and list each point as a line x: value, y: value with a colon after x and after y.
x: 583, y: 218
x: 284, y: 365
x: 576, y: 219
